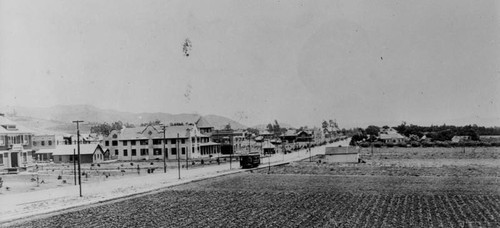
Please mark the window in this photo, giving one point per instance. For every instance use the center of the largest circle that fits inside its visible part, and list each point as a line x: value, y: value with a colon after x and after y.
x: 124, y: 143
x: 132, y: 143
x: 50, y: 143
x: 173, y: 141
x: 125, y: 153
x: 144, y: 142
x: 114, y: 143
x: 182, y: 141
x: 107, y: 143
x: 174, y: 151
x: 144, y: 152
x: 60, y: 158
x: 43, y: 143
x: 116, y: 152
x: 34, y: 143
x: 134, y: 152
x: 156, y: 151
x: 183, y: 151
x: 157, y: 141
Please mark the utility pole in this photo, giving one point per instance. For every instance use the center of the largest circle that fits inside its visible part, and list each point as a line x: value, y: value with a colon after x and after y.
x: 187, y: 149
x: 78, y: 147
x: 74, y: 164
x: 164, y: 152
x: 178, y: 157
x: 231, y: 151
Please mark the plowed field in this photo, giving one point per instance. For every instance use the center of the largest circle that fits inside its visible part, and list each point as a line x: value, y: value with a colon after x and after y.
x: 284, y: 200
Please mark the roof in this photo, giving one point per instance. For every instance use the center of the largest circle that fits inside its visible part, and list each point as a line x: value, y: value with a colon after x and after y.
x: 18, y: 130
x: 68, y: 149
x: 203, y: 123
x: 290, y: 133
x: 334, y: 150
x: 268, y: 145
x: 45, y: 151
x: 209, y: 144
x: 264, y: 132
x: 155, y: 132
x: 391, y: 136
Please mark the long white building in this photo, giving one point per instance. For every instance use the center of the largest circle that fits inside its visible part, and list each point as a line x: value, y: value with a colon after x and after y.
x: 146, y: 143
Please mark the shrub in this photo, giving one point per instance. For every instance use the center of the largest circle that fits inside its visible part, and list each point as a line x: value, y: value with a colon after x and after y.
x: 471, y: 144
x: 428, y: 144
x: 389, y: 144
x: 495, y: 144
x: 377, y: 144
x: 364, y: 144
x: 415, y: 144
x: 454, y: 144
x: 402, y: 144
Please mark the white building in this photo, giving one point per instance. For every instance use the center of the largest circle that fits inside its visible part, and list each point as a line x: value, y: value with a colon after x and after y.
x: 15, y: 144
x: 146, y: 143
x: 341, y: 154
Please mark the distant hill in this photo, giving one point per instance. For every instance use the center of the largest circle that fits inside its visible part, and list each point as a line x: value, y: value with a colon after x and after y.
x: 59, y: 118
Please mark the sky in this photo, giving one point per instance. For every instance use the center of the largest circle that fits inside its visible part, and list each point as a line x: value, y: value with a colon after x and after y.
x: 299, y: 62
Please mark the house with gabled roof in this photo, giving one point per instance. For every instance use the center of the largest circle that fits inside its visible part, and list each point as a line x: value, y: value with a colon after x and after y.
x: 16, y: 144
x: 89, y: 153
x: 204, y: 126
x: 148, y: 142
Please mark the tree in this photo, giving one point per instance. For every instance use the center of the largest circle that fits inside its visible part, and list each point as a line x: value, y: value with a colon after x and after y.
x: 324, y: 126
x: 253, y: 131
x: 372, y: 130
x: 154, y: 122
x: 105, y: 128
x: 227, y: 127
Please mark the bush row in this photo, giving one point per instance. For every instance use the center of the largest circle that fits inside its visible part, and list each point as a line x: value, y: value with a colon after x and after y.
x: 430, y: 144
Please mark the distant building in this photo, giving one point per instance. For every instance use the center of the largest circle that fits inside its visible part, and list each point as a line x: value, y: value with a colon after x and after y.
x: 390, y: 135
x: 44, y: 146
x: 290, y: 136
x: 16, y: 144
x: 293, y: 136
x: 489, y: 138
x: 145, y: 143
x: 44, y: 142
x: 460, y: 138
x: 204, y: 126
x: 266, y: 134
x: 89, y: 153
x: 268, y: 148
x: 341, y: 154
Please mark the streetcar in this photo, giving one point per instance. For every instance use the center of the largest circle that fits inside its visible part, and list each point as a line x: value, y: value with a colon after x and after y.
x: 251, y: 160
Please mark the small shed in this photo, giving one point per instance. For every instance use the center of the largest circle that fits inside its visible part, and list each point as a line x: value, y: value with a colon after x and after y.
x: 341, y: 154
x: 268, y: 148
x: 89, y: 153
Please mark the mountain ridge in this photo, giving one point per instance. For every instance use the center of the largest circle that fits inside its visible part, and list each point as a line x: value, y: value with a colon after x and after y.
x: 58, y: 118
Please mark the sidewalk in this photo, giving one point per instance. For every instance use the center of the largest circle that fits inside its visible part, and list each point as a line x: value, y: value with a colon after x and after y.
x: 14, y: 206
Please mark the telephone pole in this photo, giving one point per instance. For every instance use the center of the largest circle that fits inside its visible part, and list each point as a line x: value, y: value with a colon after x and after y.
x: 78, y: 147
x: 164, y: 152
x: 177, y: 145
x: 74, y: 164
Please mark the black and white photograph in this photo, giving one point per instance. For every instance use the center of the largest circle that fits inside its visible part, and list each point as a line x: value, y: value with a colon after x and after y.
x: 265, y: 113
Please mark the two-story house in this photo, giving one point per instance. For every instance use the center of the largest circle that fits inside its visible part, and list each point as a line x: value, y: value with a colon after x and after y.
x: 15, y: 144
